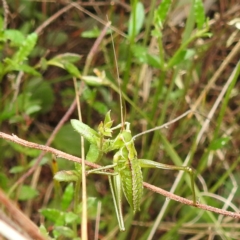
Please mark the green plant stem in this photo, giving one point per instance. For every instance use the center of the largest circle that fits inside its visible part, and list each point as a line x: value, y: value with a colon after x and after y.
x: 76, y: 202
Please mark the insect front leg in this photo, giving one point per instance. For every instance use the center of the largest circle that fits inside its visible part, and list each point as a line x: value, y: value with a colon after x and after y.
x: 145, y: 163
x: 116, y: 190
x: 101, y: 170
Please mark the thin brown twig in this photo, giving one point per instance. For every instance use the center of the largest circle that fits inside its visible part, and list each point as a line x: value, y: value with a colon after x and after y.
x: 94, y: 48
x: 6, y: 13
x: 76, y: 5
x: 53, y: 18
x: 161, y: 191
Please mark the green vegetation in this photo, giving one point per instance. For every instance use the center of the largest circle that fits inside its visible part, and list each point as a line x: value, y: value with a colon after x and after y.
x: 172, y: 56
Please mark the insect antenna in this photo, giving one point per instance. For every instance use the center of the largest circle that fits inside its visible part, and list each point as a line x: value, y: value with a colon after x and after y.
x: 122, y: 106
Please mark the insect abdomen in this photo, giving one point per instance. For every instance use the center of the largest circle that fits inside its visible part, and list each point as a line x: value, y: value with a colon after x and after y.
x: 132, y: 183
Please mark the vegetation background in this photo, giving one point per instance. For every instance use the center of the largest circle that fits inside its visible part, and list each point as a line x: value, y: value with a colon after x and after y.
x: 171, y: 56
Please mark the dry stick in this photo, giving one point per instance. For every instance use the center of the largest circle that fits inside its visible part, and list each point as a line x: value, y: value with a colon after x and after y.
x: 84, y: 233
x: 5, y: 13
x: 92, y: 52
x: 165, y: 193
x: 98, y: 215
x: 49, y: 141
x: 9, y: 232
x: 53, y: 18
x: 20, y: 217
x: 94, y: 48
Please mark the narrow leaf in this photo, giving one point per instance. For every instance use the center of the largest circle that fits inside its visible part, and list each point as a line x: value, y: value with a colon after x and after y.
x: 93, y: 153
x: 53, y: 215
x: 88, y: 133
x: 161, y: 12
x: 72, y: 69
x: 219, y: 143
x: 26, y: 48
x: 199, y: 13
x: 27, y: 193
x: 139, y: 15
x: 94, y: 81
x: 67, y: 196
x: 27, y: 69
x: 16, y: 37
x: 65, y: 231
x: 93, y: 33
x: 67, y: 176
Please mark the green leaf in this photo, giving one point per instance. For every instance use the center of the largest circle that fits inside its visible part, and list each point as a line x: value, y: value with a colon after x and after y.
x: 41, y: 92
x: 93, y: 153
x: 93, y: 33
x: 78, y: 167
x: 153, y: 60
x: 94, y: 81
x: 25, y: 105
x: 4, y: 181
x: 42, y: 162
x: 44, y: 231
x: 70, y: 217
x: 142, y: 56
x: 72, y: 69
x: 107, y: 120
x: 139, y: 15
x: 177, y: 58
x: 100, y: 107
x: 53, y: 215
x: 27, y: 69
x: 27, y: 193
x: 161, y: 12
x: 69, y: 57
x: 26, y: 151
x: 105, y: 128
x: 66, y: 61
x: 88, y: 133
x: 65, y: 231
x: 57, y: 38
x: 32, y: 109
x: 17, y: 169
x: 25, y: 48
x: 92, y: 207
x: 67, y: 196
x: 219, y: 143
x: 66, y: 57
x: 199, y: 13
x: 1, y: 23
x: 67, y: 176
x: 16, y: 37
x: 68, y: 140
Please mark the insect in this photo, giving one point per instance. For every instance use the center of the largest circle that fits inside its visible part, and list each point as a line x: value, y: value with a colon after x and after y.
x: 127, y: 173
x: 126, y: 176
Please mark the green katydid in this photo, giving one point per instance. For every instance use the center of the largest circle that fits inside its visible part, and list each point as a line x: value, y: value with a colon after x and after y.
x: 127, y: 174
